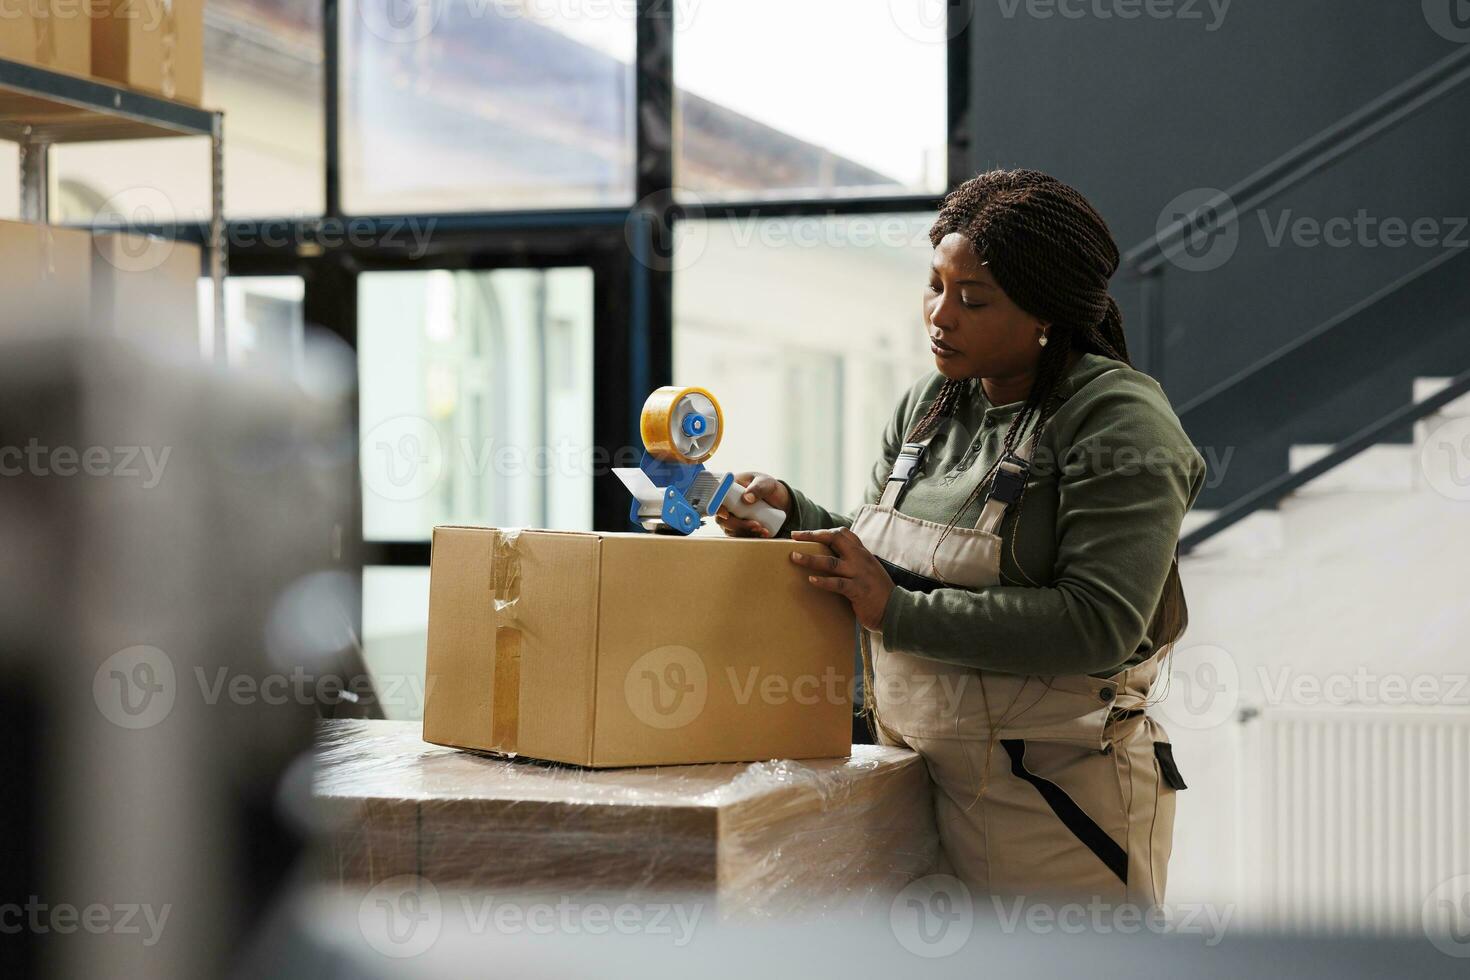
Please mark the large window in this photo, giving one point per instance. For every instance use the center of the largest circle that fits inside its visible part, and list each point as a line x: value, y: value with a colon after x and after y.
x: 826, y: 334
x: 551, y: 160
x: 264, y: 325
x: 801, y: 99
x: 475, y: 400
x: 469, y: 105
x: 545, y: 156
x: 395, y: 636
x: 263, y: 67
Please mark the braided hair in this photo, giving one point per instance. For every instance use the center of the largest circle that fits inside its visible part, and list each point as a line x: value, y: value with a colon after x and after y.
x: 1053, y: 255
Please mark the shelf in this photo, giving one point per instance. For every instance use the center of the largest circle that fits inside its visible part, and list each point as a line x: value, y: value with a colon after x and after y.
x: 40, y: 108
x: 53, y: 107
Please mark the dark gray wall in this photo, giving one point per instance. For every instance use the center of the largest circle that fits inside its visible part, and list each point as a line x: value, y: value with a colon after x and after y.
x: 1137, y: 112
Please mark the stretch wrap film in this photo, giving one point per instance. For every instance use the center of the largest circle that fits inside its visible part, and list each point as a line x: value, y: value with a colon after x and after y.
x: 762, y: 839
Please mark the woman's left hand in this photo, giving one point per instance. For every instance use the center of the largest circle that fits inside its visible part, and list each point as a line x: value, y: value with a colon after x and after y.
x: 851, y: 570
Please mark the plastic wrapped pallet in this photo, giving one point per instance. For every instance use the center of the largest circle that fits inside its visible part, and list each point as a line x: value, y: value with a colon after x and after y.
x: 761, y: 839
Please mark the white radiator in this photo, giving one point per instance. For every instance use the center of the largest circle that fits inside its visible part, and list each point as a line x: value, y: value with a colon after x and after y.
x: 1350, y: 817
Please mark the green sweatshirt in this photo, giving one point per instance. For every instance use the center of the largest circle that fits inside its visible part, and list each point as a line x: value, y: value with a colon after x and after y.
x: 1086, y: 552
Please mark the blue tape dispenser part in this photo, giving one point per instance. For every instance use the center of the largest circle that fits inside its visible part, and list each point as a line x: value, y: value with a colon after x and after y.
x: 672, y: 490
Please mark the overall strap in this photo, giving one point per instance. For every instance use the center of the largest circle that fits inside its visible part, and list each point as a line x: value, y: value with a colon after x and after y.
x: 910, y: 458
x: 1005, y: 489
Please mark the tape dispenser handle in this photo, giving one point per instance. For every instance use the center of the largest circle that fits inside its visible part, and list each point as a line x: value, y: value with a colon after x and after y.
x: 761, y: 512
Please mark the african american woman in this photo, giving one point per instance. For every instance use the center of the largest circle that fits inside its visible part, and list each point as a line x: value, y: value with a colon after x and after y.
x: 1014, y: 566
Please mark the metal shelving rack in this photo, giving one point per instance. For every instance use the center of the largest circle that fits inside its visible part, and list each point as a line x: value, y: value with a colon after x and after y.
x: 39, y: 108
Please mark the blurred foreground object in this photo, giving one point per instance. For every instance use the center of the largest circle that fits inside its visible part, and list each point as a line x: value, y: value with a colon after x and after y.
x: 409, y: 928
x: 176, y: 555
x: 145, y: 288
x: 47, y: 276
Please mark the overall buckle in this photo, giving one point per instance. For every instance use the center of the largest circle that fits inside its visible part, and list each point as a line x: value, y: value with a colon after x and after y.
x: 909, y: 460
x: 1010, y: 479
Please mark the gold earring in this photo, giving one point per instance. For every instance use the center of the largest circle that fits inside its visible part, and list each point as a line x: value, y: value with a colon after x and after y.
x: 1042, y: 341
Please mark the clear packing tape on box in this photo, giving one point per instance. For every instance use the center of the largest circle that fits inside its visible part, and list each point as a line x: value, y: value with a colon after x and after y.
x: 761, y: 839
x: 169, y: 42
x: 505, y: 590
x: 45, y: 36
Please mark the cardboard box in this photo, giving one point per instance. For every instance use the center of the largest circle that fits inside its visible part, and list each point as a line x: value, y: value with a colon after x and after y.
x: 146, y: 288
x: 46, y: 273
x: 761, y: 839
x: 55, y: 34
x: 153, y: 45
x: 634, y: 649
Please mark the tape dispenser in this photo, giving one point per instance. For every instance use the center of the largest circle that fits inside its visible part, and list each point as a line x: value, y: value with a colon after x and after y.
x: 672, y: 490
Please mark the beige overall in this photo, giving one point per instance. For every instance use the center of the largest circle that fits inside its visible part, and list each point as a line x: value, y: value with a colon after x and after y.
x: 1045, y: 787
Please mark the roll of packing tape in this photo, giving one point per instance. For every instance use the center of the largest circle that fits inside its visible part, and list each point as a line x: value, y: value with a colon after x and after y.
x: 681, y: 425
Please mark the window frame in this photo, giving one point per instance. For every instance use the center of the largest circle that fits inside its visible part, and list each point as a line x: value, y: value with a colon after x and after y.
x: 632, y: 299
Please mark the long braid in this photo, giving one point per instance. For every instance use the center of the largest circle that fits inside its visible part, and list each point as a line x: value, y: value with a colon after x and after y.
x: 940, y: 409
x: 1039, y: 404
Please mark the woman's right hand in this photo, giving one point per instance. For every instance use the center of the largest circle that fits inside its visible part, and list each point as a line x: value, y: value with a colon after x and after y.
x: 758, y: 486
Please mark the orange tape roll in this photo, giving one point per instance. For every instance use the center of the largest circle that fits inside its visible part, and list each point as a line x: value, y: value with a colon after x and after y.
x: 663, y: 427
